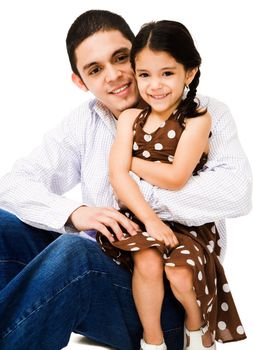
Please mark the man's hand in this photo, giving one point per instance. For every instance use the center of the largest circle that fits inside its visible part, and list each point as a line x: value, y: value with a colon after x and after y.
x: 100, y: 219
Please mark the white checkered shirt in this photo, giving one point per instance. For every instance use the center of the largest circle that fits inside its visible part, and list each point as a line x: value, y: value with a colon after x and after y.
x: 77, y: 152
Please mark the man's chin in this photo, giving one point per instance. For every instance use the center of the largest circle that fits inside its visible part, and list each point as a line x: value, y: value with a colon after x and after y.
x: 129, y: 104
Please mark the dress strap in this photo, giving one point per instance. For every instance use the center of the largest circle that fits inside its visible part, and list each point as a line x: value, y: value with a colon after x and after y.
x: 141, y: 117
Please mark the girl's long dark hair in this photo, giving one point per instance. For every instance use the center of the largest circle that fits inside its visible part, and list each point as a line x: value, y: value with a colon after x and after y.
x: 174, y: 38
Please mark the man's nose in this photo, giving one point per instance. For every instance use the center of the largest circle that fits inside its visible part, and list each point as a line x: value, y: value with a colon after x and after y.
x: 112, y: 73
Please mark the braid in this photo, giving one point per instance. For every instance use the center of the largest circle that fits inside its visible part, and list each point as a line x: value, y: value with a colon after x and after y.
x: 188, y: 108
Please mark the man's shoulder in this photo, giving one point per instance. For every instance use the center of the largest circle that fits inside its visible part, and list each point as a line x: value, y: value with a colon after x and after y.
x: 84, y: 109
x: 212, y: 104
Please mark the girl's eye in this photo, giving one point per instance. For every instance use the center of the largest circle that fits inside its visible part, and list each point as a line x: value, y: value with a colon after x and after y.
x: 167, y: 74
x: 143, y: 75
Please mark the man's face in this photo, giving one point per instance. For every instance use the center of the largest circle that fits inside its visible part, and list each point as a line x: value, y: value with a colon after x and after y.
x: 104, y: 66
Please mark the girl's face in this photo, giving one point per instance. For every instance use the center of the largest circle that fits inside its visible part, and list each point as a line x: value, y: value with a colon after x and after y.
x: 161, y: 80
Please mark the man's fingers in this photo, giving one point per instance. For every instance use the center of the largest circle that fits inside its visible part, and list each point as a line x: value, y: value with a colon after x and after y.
x: 103, y: 229
x: 113, y: 224
x: 129, y: 225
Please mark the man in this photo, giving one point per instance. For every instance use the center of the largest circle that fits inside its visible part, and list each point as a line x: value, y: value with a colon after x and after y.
x: 53, y: 283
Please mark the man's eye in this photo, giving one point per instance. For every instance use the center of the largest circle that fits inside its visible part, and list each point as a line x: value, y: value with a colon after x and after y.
x: 122, y: 58
x: 94, y: 70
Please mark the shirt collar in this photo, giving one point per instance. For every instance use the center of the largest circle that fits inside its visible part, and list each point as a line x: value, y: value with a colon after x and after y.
x: 105, y: 115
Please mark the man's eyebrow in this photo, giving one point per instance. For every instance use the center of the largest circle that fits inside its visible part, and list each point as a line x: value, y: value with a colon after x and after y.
x: 121, y: 50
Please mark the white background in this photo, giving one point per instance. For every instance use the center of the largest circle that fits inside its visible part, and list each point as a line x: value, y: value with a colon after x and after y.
x: 36, y: 91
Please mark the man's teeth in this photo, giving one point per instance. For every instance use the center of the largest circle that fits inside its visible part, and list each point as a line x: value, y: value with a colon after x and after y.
x: 120, y: 89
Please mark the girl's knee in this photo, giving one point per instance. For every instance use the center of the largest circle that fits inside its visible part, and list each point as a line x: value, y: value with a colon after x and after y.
x: 148, y: 263
x: 180, y: 278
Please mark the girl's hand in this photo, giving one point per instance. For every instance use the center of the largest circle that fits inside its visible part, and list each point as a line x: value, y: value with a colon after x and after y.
x: 157, y: 229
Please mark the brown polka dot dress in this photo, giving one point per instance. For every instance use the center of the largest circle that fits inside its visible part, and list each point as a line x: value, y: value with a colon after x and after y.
x: 199, y: 246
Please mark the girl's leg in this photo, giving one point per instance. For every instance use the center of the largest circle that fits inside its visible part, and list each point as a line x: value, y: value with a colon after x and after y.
x: 148, y: 293
x: 181, y: 282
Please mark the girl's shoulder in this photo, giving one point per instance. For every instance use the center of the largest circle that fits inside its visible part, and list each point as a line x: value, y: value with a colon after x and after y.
x: 129, y: 115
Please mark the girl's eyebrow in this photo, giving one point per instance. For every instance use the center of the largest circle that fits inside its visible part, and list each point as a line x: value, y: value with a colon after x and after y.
x: 164, y: 68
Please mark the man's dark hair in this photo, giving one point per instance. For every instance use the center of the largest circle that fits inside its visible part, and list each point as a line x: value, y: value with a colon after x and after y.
x: 89, y: 23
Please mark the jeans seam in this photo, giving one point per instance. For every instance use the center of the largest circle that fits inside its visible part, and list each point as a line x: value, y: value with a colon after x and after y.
x: 44, y: 303
x: 13, y: 261
x: 176, y: 329
x: 118, y: 286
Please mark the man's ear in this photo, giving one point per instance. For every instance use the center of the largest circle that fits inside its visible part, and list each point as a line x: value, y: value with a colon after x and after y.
x: 191, y: 75
x: 79, y: 82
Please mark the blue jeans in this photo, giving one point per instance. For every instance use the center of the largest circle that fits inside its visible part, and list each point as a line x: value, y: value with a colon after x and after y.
x: 52, y: 285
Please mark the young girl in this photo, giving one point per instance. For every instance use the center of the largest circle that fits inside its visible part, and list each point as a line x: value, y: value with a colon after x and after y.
x: 165, y: 144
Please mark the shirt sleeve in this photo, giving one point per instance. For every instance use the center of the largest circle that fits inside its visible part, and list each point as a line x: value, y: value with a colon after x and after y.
x: 222, y: 190
x: 33, y: 189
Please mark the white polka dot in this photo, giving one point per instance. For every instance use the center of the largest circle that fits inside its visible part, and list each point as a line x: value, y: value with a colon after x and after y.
x: 135, y: 249
x: 210, y: 248
x: 157, y: 161
x: 185, y: 252
x: 155, y: 245
x: 165, y: 256
x: 194, y: 233
x: 210, y: 308
x: 180, y: 247
x: 222, y: 325
x: 144, y: 233
x: 204, y: 260
x: 219, y: 242
x: 200, y: 276
x: 209, y: 302
x: 150, y: 239
x: 117, y: 262
x: 198, y: 302
x: 158, y: 146
x: 171, y: 134
x: 170, y: 159
x: 147, y: 137
x: 206, y: 290
x: 162, y: 125
x: 211, y: 244
x: 135, y: 146
x: 132, y: 243
x: 224, y: 306
x: 213, y: 229
x: 190, y: 262
x: 170, y: 264
x: 240, y: 330
x: 215, y: 281
x: 146, y: 154
x: 200, y: 260
x: 226, y: 288
x: 196, y: 248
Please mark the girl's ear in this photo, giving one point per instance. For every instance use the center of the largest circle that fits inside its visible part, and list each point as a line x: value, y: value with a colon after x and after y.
x: 190, y: 75
x: 79, y: 82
